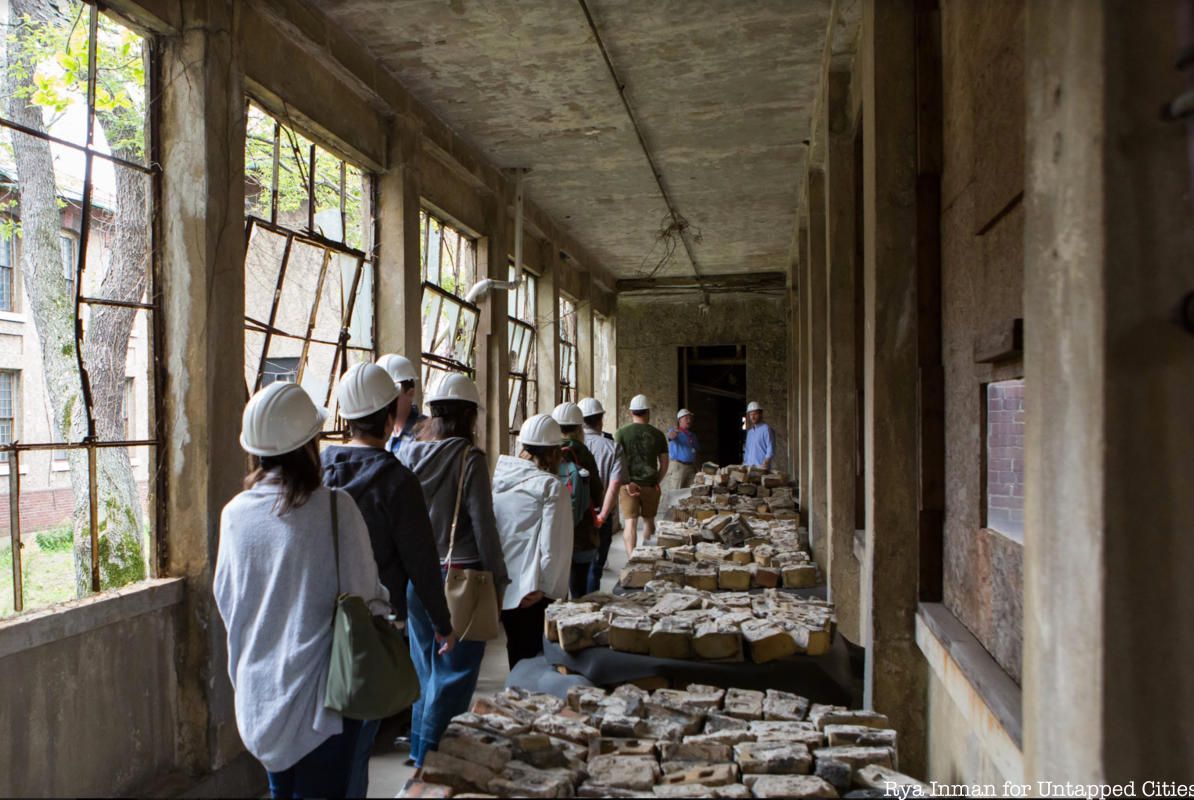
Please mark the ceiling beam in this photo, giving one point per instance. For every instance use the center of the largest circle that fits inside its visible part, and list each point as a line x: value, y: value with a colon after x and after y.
x: 732, y: 282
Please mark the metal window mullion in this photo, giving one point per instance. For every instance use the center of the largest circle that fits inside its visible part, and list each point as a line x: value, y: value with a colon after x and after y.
x: 343, y: 200
x: 323, y: 271
x: 14, y: 528
x: 311, y: 193
x: 93, y: 502
x: 342, y: 343
x: 273, y: 206
x: 273, y: 311
x: 81, y: 148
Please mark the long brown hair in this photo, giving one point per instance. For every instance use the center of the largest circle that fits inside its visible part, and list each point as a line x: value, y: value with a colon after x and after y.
x: 545, y: 457
x: 298, y: 471
x: 449, y: 419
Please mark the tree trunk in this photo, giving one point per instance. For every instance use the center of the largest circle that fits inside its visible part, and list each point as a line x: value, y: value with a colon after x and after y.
x: 105, y: 346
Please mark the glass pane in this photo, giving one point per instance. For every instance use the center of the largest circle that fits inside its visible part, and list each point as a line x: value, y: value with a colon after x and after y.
x: 1005, y: 457
x: 515, y: 416
x: 116, y: 350
x: 430, y: 311
x: 263, y: 260
x: 298, y: 288
x: 328, y: 222
x: 121, y: 61
x: 360, y: 327
x: 318, y: 375
x: 431, y: 255
x: 462, y: 349
x: 254, y: 342
x: 337, y: 284
x: 259, y: 162
x: 50, y: 523
x: 118, y: 251
x: 443, y: 345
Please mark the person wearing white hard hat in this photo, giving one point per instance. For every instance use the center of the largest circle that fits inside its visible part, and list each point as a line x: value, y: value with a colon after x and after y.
x: 403, y: 373
x: 448, y: 464
x: 391, y: 500
x: 682, y: 451
x: 586, y: 490
x: 277, y: 577
x: 760, y: 439
x: 534, y: 519
x: 645, y: 449
x: 609, y: 466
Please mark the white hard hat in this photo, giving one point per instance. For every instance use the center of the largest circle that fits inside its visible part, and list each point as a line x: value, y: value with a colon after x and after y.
x: 455, y: 386
x: 640, y: 403
x: 279, y: 419
x: 540, y: 430
x: 568, y: 414
x: 399, y: 367
x: 591, y: 407
x: 682, y: 413
x: 754, y: 406
x: 363, y: 390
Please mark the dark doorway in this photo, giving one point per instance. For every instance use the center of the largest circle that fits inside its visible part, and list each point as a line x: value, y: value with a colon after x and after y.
x: 713, y: 387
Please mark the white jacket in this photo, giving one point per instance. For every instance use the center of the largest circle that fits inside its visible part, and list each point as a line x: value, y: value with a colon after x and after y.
x: 534, y: 519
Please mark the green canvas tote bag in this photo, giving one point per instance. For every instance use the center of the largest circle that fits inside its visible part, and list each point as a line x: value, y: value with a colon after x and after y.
x: 371, y: 675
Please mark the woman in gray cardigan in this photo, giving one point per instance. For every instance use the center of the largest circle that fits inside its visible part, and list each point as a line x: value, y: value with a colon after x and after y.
x: 276, y: 584
x: 443, y: 447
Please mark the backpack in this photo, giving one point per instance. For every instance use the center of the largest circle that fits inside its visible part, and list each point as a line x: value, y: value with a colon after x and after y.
x: 578, y: 487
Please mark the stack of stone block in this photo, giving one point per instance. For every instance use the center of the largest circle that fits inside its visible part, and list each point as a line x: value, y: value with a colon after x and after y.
x: 750, y: 491
x: 670, y: 621
x: 699, y: 742
x: 726, y: 552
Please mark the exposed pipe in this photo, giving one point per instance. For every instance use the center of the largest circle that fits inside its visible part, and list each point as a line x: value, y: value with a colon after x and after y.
x: 482, y: 287
x: 679, y: 221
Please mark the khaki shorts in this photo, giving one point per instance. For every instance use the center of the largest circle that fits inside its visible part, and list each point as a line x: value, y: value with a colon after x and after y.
x: 646, y: 505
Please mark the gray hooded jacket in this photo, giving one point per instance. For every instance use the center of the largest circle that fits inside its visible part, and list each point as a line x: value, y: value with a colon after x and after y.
x: 437, y: 466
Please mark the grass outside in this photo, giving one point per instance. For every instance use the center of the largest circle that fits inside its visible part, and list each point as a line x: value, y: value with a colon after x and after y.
x: 48, y: 576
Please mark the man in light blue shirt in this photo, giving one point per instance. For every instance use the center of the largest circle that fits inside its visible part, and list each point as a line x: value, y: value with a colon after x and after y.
x: 682, y: 450
x: 760, y: 439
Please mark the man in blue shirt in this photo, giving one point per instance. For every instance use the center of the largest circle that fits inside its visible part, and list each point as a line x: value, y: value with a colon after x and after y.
x: 682, y: 451
x: 405, y: 378
x: 760, y: 439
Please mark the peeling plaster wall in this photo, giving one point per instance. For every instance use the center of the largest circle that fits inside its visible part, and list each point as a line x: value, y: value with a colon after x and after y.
x: 982, y: 249
x: 650, y: 331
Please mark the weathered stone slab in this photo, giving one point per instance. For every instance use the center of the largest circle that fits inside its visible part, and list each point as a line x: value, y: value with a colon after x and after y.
x: 591, y: 789
x: 841, y: 716
x: 452, y: 771
x: 522, y: 780
x: 626, y: 747
x: 764, y: 577
x: 572, y: 730
x: 625, y: 772
x: 877, y: 777
x: 783, y: 731
x: 579, y: 632
x: 724, y: 736
x: 712, y: 752
x: 733, y: 578
x: 744, y: 704
x: 499, y: 724
x: 710, y: 775
x: 766, y: 641
x: 671, y: 638
x: 630, y: 634
x: 690, y: 721
x: 478, y: 746
x: 701, y: 576
x: 800, y: 576
x: 856, y: 757
x: 784, y: 706
x: 773, y: 758
x: 796, y: 786
x: 859, y: 735
x: 719, y: 639
x: 721, y: 722
x: 585, y: 699
x: 633, y: 576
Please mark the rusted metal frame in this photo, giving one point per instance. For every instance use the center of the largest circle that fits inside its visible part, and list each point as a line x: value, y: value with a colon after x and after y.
x: 101, y: 301
x: 151, y: 169
x: 258, y: 326
x: 449, y: 364
x: 19, y: 447
x: 311, y: 197
x: 426, y: 235
x: 158, y: 532
x: 344, y: 200
x: 273, y: 203
x: 93, y: 504
x: 273, y: 311
x: 306, y: 237
x: 14, y: 529
x: 323, y: 272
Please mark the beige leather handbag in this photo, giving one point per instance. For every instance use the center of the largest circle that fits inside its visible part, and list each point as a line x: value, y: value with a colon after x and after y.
x: 471, y: 594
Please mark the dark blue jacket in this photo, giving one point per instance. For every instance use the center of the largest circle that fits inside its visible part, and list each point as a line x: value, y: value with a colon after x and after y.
x: 391, y: 500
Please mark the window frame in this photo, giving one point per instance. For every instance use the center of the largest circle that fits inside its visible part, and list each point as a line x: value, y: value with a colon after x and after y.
x: 14, y: 419
x: 8, y: 273
x: 569, y: 371
x: 149, y: 303
x: 442, y: 303
x: 523, y: 322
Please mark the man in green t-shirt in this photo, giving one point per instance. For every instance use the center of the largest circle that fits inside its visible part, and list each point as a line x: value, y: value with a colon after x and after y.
x: 644, y: 449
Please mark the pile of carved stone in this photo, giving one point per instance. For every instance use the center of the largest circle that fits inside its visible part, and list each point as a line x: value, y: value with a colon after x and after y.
x: 670, y: 621
x: 701, y: 742
x: 747, y: 490
x: 726, y: 552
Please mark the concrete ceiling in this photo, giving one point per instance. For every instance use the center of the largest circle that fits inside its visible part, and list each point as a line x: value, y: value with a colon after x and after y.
x: 723, y: 90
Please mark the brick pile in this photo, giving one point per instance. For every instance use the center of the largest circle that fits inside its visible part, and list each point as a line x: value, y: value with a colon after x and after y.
x: 699, y: 742
x: 750, y: 491
x: 726, y: 552
x: 670, y: 621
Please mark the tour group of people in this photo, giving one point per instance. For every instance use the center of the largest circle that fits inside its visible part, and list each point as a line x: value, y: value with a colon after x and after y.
x: 387, y: 516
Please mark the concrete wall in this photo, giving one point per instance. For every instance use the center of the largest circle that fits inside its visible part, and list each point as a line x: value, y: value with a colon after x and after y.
x: 982, y: 252
x: 651, y: 329
x: 88, y: 702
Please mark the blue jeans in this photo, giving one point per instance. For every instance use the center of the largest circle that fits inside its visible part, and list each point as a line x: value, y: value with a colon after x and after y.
x: 446, y: 682
x: 358, y: 784
x: 324, y: 772
x: 578, y: 575
x: 605, y: 537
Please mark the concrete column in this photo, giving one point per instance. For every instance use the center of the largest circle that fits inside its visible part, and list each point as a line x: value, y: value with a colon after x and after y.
x: 815, y: 270
x: 794, y: 419
x: 547, y: 339
x: 1108, y: 372
x: 841, y: 425
x: 399, y: 272
x: 801, y: 319
x: 896, y: 676
x: 493, y: 335
x: 584, y: 335
x: 202, y: 282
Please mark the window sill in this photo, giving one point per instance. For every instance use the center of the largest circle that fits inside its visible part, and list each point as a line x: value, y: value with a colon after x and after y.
x: 48, y: 625
x: 12, y: 316
x: 985, y: 695
x: 59, y: 466
x: 4, y: 471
